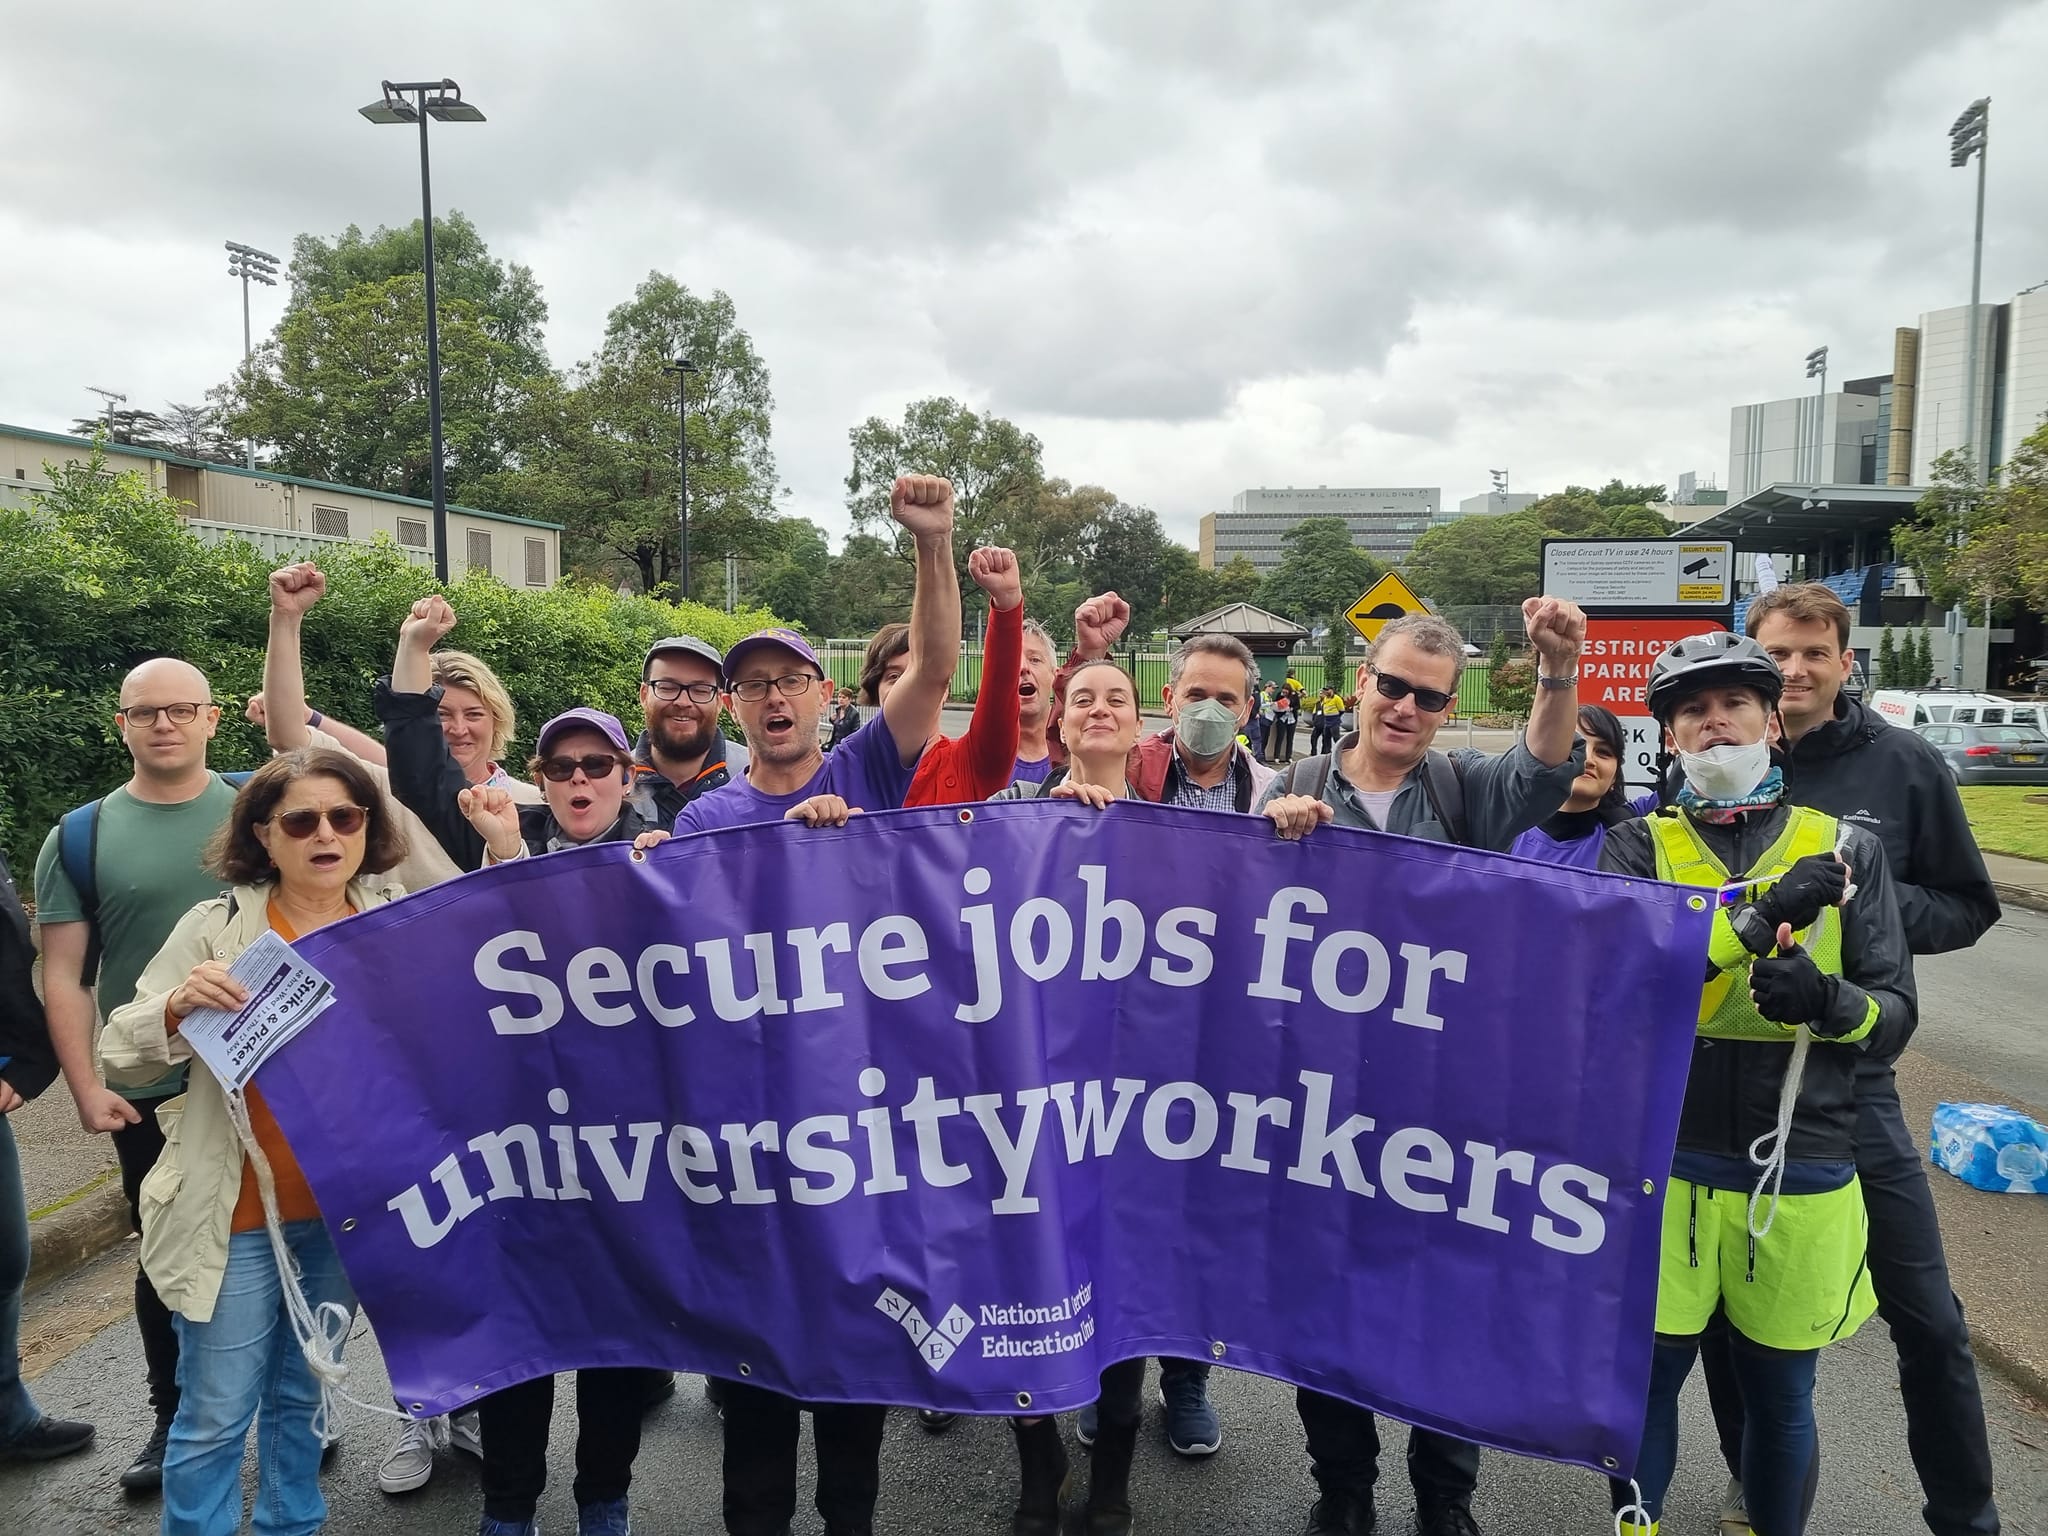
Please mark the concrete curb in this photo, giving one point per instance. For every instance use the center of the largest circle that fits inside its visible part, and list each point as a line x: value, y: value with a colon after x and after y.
x: 80, y: 1230
x: 2021, y: 1374
x: 2021, y: 896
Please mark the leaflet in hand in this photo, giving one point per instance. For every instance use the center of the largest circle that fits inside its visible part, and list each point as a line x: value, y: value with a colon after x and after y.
x: 285, y: 995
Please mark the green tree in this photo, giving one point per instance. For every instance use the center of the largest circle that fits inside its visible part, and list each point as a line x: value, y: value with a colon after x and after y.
x: 1887, y: 659
x: 1321, y: 572
x: 127, y: 429
x: 1337, y: 657
x: 1237, y: 582
x: 996, y: 467
x: 1978, y: 544
x: 1128, y: 552
x: 605, y: 463
x: 1923, y: 660
x: 1479, y: 560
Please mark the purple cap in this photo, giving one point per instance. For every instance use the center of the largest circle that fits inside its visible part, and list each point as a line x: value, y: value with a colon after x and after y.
x: 788, y: 639
x: 570, y: 719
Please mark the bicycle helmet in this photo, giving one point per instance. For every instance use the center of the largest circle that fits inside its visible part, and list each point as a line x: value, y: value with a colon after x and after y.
x: 1714, y: 659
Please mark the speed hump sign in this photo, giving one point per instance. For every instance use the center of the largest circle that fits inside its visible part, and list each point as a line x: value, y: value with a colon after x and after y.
x: 1389, y: 598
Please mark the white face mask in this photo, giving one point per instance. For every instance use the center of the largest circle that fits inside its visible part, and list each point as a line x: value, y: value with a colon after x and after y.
x: 1726, y: 772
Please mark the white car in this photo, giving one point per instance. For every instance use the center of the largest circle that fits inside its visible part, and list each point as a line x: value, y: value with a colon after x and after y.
x: 1910, y: 708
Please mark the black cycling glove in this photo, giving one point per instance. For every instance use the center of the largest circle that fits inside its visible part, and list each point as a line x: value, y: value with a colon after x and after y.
x: 1791, y: 989
x: 1813, y: 883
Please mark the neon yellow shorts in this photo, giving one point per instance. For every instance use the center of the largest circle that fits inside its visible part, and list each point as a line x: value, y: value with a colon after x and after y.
x: 1808, y: 1284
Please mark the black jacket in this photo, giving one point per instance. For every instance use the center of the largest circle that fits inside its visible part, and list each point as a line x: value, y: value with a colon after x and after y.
x: 659, y: 801
x: 1731, y: 1094
x: 543, y: 834
x: 424, y: 774
x: 1894, y: 784
x: 24, y: 1032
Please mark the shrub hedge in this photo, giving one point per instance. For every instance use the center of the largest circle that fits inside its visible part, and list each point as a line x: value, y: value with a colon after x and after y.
x: 99, y: 573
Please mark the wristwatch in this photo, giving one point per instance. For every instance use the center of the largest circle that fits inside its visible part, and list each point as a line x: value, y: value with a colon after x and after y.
x: 1558, y: 684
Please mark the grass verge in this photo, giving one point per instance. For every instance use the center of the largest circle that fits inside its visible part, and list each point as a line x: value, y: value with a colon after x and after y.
x: 2005, y: 821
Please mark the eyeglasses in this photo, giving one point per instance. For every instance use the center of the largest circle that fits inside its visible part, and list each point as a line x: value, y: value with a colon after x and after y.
x: 347, y: 821
x: 560, y: 770
x: 145, y: 715
x: 668, y: 690
x: 793, y: 686
x: 1431, y: 701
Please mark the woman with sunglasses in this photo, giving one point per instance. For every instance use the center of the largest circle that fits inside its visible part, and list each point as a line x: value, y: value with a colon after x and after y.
x: 303, y: 847
x: 583, y: 764
x: 1575, y: 834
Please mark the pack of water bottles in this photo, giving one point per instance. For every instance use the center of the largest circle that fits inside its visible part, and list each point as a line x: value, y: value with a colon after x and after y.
x: 1989, y: 1146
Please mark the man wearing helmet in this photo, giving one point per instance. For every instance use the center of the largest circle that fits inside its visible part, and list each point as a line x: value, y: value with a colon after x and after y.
x: 1763, y: 1216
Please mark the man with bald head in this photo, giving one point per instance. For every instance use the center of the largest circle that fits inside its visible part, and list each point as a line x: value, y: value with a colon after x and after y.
x: 144, y: 874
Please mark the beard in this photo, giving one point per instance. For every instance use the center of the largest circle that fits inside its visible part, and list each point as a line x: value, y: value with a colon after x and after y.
x: 682, y: 739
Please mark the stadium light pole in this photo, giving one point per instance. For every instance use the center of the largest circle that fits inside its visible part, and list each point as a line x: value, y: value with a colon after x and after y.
x: 1970, y: 135
x: 250, y: 265
x: 682, y: 368
x: 441, y: 99
x: 1817, y: 365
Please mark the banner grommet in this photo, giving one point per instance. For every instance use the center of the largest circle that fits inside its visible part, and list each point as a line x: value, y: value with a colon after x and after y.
x: 1649, y: 1186
x: 1217, y: 1350
x: 746, y: 1369
x: 1023, y: 1399
x: 349, y: 1225
x: 1697, y: 903
x: 1610, y: 1463
x: 966, y: 815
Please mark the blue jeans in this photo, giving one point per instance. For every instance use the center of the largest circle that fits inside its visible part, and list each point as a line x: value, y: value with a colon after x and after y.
x: 242, y: 1360
x: 18, y: 1411
x: 1779, y: 1443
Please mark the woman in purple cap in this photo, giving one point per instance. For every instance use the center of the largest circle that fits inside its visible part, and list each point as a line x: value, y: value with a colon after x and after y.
x: 583, y: 764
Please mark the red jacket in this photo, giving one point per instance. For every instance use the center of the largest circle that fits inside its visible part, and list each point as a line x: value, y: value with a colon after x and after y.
x: 980, y: 762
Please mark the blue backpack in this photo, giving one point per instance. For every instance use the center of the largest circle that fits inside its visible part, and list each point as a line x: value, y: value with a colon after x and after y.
x: 78, y: 852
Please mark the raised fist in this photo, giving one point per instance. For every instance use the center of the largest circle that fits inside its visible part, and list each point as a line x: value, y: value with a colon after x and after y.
x: 994, y: 570
x: 430, y: 619
x: 1557, y: 629
x: 1099, y: 623
x: 296, y: 588
x: 495, y: 815
x: 923, y: 504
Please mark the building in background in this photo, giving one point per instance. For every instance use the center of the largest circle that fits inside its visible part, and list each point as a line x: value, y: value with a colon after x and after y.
x: 2011, y: 384
x: 290, y: 518
x: 1384, y: 521
x: 1494, y: 503
x: 1827, y: 439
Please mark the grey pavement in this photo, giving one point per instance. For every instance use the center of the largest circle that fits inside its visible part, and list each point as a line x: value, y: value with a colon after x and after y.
x: 965, y: 1480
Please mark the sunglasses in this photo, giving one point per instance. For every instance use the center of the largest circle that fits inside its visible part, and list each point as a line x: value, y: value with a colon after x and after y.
x: 1431, y: 701
x: 347, y: 821
x: 560, y: 770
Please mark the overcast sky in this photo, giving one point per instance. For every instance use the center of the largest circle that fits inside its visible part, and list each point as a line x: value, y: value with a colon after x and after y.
x: 1194, y: 245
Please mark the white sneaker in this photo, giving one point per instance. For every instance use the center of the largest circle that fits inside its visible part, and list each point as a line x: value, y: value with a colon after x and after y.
x: 1734, y: 1517
x: 465, y: 1434
x: 410, y: 1461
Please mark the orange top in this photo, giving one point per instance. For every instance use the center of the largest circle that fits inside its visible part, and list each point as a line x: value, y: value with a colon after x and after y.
x: 295, y: 1200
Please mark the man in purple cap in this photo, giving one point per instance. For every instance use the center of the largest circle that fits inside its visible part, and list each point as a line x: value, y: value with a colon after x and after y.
x: 682, y: 754
x: 584, y: 765
x: 778, y: 692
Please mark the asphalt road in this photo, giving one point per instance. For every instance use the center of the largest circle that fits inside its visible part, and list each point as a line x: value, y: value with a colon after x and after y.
x: 1982, y: 1010
x: 965, y: 1480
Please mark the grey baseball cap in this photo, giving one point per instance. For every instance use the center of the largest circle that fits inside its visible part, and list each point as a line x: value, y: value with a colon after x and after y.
x: 689, y: 645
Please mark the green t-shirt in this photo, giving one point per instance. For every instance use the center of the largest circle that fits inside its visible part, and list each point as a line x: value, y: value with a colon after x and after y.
x: 148, y: 873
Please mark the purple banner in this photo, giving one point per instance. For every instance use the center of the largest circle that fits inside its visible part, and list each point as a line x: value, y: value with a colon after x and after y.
x: 954, y: 1107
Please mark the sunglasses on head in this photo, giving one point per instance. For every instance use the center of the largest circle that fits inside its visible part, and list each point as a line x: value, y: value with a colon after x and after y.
x: 560, y: 770
x: 1431, y: 701
x: 347, y: 820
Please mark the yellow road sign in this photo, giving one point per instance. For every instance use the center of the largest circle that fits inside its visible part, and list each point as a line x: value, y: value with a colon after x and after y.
x: 1388, y: 599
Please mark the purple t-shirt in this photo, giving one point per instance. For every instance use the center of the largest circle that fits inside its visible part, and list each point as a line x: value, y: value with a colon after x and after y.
x: 1575, y: 853
x: 866, y: 771
x: 1033, y: 773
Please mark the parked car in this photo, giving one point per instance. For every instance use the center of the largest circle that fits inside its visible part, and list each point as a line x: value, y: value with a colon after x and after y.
x: 1908, y: 708
x: 1992, y: 754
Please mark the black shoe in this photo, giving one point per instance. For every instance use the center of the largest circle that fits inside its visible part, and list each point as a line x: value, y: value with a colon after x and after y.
x: 48, y: 1438
x: 327, y: 1454
x: 933, y: 1422
x: 661, y: 1386
x: 714, y: 1394
x: 1445, y: 1520
x: 146, y: 1473
x: 1343, y: 1514
x: 1108, y: 1510
x: 1043, y: 1478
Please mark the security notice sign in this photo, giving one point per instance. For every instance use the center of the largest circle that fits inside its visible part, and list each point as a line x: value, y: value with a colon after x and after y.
x: 1640, y: 573
x: 1614, y: 669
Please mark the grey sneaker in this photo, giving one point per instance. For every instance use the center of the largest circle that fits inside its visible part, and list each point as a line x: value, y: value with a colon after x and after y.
x: 409, y: 1464
x: 1734, y: 1516
x: 465, y: 1434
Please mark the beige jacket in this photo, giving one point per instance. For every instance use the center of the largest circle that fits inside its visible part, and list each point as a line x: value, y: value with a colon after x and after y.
x: 188, y: 1199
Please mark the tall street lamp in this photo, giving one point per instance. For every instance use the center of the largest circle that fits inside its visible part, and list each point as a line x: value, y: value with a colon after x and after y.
x: 682, y: 368
x: 1817, y: 365
x: 250, y: 265
x: 440, y: 99
x: 1970, y: 135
